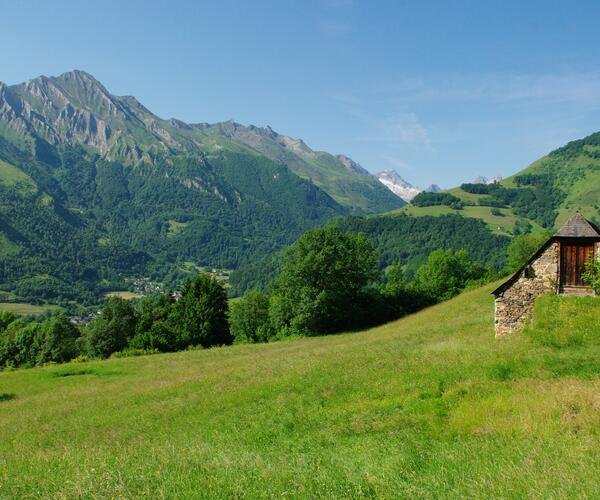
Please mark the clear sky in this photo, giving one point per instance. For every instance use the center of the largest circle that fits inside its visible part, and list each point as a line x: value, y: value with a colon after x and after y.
x: 440, y: 91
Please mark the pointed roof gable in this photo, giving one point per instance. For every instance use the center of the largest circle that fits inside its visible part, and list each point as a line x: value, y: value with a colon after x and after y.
x: 577, y: 227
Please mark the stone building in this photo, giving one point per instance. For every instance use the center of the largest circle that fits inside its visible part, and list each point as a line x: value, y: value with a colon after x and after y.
x: 555, y: 268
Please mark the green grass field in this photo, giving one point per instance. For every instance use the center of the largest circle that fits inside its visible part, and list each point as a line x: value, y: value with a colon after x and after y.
x: 123, y: 295
x: 427, y: 406
x: 25, y: 309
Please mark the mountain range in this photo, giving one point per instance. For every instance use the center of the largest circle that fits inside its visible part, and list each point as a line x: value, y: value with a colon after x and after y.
x: 96, y: 190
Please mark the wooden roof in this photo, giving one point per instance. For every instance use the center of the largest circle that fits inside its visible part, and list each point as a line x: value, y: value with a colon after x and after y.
x: 576, y: 227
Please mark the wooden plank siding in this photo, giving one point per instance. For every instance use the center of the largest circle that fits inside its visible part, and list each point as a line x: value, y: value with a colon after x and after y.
x: 572, y: 262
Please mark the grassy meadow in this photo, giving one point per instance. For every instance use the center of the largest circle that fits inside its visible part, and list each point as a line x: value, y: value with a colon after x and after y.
x: 25, y: 309
x: 428, y: 406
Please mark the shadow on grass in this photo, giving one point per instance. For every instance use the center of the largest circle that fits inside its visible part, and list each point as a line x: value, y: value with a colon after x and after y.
x: 77, y: 372
x: 5, y: 396
x: 74, y: 372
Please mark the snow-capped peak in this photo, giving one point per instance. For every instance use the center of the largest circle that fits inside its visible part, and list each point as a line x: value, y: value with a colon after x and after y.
x: 397, y: 185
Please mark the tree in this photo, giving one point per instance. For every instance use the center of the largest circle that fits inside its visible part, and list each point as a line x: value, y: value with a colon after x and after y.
x: 59, y: 339
x: 28, y: 341
x: 249, y: 318
x: 321, y: 281
x: 112, y: 329
x: 522, y: 247
x: 446, y: 273
x: 6, y: 318
x: 200, y: 315
x: 154, y: 329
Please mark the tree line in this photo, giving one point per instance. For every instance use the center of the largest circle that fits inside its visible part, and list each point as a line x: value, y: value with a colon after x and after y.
x: 329, y: 282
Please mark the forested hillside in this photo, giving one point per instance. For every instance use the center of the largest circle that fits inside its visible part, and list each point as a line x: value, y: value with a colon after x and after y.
x: 96, y: 191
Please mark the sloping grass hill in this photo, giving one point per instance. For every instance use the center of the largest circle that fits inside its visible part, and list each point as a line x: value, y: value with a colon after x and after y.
x: 544, y: 195
x: 428, y: 406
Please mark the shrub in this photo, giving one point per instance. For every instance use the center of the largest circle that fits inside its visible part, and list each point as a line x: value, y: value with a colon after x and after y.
x: 591, y: 276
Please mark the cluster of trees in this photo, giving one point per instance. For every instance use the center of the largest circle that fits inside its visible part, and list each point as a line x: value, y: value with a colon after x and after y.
x: 399, y: 239
x: 155, y: 324
x: 424, y: 199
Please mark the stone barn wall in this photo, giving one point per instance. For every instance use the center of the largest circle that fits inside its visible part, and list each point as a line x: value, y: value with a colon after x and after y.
x: 514, y: 305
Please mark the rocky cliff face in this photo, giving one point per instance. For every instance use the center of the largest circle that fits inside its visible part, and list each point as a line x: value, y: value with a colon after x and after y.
x: 392, y: 180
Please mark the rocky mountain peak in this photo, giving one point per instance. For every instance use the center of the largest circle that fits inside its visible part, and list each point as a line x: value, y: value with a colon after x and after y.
x: 432, y: 188
x: 484, y: 180
x: 395, y: 183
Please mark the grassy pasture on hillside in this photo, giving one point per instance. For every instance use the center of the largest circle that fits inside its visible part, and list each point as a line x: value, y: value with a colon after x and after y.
x: 25, y: 309
x: 123, y: 295
x: 430, y: 405
x: 14, y: 177
x: 498, y: 224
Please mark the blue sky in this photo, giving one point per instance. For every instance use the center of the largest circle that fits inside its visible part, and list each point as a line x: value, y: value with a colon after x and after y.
x: 440, y: 91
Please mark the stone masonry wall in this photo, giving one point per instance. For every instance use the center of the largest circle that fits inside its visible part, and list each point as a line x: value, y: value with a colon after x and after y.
x: 515, y: 304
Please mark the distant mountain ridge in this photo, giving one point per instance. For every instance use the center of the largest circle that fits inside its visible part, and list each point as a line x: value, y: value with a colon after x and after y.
x: 77, y: 108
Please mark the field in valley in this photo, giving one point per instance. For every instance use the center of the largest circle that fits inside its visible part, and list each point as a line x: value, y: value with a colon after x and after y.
x: 25, y: 309
x: 430, y: 406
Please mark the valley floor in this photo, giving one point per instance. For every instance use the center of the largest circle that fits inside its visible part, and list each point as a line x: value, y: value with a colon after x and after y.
x: 430, y: 406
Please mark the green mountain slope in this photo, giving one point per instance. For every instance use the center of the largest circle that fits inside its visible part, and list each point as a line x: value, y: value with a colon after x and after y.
x: 345, y: 180
x: 96, y: 191
x: 541, y: 196
x: 427, y: 406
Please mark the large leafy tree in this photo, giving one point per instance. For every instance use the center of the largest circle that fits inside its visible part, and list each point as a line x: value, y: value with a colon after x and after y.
x: 321, y: 283
x: 200, y: 315
x: 111, y: 331
x: 249, y: 318
x: 59, y: 339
